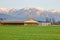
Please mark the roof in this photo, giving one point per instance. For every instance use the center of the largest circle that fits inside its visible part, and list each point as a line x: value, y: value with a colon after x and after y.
x: 30, y: 20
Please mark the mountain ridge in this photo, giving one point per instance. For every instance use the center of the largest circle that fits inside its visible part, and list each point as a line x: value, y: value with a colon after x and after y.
x: 31, y: 12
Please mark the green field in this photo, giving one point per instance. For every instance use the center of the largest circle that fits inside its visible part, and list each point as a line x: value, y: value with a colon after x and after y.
x: 31, y: 32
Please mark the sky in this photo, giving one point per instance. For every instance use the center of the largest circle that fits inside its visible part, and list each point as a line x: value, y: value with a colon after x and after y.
x: 46, y: 4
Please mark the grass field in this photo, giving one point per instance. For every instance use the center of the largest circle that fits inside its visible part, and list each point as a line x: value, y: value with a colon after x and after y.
x: 31, y: 32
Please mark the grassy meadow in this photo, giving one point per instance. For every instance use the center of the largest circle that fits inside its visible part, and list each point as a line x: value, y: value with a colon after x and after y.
x: 29, y: 32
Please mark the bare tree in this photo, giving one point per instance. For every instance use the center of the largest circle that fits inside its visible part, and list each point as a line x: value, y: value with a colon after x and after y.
x: 53, y: 20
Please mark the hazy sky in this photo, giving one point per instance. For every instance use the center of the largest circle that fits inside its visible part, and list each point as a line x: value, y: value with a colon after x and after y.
x: 46, y: 4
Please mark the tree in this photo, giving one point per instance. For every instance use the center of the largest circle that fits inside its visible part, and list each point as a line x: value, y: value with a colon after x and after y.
x: 53, y: 20
x: 47, y: 19
x: 1, y: 19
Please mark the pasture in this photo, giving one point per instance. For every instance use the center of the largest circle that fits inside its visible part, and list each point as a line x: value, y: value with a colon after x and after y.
x: 29, y: 32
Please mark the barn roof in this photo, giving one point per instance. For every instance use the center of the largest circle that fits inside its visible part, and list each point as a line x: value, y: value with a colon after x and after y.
x: 31, y: 20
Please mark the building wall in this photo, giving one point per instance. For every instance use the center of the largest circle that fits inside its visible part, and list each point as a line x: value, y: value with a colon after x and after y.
x: 44, y: 24
x: 12, y: 23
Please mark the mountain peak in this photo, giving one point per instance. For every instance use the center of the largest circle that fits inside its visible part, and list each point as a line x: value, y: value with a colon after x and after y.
x: 53, y: 11
x: 38, y: 8
x: 13, y: 9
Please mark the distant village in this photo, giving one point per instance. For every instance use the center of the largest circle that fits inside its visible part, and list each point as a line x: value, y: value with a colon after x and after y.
x: 30, y: 21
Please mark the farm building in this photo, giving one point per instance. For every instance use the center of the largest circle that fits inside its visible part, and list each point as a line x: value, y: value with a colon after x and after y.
x: 31, y: 21
x: 44, y: 23
x: 12, y: 23
x: 26, y: 22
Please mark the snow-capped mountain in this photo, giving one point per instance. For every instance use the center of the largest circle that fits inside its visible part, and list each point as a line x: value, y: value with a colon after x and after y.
x: 30, y: 12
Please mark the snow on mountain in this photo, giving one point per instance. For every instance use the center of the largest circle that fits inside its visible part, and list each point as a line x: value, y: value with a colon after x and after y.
x: 54, y: 11
x: 12, y: 10
x: 38, y: 8
x: 28, y: 11
x: 37, y: 13
x: 4, y: 10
